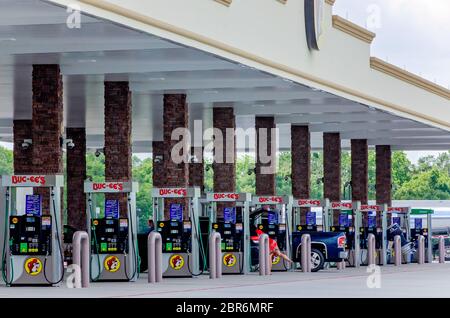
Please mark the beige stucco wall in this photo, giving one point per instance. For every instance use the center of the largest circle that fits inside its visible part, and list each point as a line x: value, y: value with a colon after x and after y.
x: 270, y: 36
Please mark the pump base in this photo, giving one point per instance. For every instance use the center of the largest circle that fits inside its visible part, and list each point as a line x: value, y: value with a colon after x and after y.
x: 232, y: 263
x: 112, y: 267
x: 178, y: 265
x: 279, y: 264
x: 28, y: 270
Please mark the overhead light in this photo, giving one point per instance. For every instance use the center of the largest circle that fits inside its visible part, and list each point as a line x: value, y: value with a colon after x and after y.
x: 8, y: 39
x: 156, y: 79
x: 211, y: 92
x: 87, y: 61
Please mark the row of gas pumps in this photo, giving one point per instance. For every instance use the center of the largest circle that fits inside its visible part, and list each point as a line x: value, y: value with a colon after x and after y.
x: 32, y: 252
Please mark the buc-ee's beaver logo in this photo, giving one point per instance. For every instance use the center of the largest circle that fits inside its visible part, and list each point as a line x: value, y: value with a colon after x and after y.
x: 177, y: 262
x: 112, y: 264
x: 33, y: 266
x: 275, y: 260
x: 229, y: 260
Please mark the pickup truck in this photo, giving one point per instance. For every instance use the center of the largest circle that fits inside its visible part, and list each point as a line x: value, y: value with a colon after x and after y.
x: 325, y: 246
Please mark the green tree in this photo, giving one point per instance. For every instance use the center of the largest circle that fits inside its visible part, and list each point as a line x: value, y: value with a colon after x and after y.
x: 402, y: 169
x: 317, y: 174
x: 372, y: 175
x: 143, y: 174
x: 283, y: 180
x: 95, y: 170
x: 6, y: 161
x: 245, y: 176
x: 429, y: 185
x: 208, y: 177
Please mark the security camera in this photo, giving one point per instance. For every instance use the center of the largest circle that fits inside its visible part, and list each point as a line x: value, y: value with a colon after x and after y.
x: 286, y: 178
x: 26, y: 144
x: 70, y: 144
x: 251, y: 171
x: 98, y: 153
x: 159, y: 158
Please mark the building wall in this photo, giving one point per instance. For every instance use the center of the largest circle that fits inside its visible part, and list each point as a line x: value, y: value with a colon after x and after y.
x: 286, y: 54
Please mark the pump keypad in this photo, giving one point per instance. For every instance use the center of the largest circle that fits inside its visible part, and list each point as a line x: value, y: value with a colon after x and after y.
x: 232, y: 235
x: 176, y: 236
x: 30, y: 235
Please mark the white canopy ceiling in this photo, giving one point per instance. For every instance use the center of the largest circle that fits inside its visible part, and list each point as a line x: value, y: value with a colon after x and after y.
x: 35, y: 32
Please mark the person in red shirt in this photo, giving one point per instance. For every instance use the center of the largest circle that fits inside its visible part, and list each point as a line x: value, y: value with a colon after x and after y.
x: 274, y: 250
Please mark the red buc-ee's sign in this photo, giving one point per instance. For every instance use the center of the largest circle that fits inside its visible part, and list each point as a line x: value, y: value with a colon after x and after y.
x: 231, y: 196
x: 118, y: 186
x: 275, y: 200
x: 38, y: 180
x: 182, y: 192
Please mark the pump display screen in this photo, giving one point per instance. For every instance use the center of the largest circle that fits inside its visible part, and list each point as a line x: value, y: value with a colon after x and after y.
x: 112, y: 209
x: 109, y: 236
x: 33, y: 205
x: 418, y: 223
x: 343, y: 220
x: 229, y: 215
x: 176, y: 212
x: 311, y: 218
x: 272, y: 218
x: 30, y: 235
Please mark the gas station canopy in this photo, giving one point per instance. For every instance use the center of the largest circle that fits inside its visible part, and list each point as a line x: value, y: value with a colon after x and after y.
x: 36, y: 32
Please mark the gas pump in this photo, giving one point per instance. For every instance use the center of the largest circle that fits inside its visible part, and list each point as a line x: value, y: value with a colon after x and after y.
x: 400, y: 220
x: 278, y: 225
x: 423, y: 229
x: 349, y: 220
x: 32, y: 250
x: 370, y: 226
x: 114, y: 251
x: 182, y: 243
x: 234, y: 230
x: 311, y: 218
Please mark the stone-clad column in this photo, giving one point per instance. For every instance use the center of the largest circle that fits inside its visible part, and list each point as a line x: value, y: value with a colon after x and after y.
x: 384, y: 175
x: 118, y: 145
x: 360, y: 170
x: 175, y: 116
x: 158, y: 164
x: 301, y: 165
x: 76, y: 175
x: 47, y: 125
x: 332, y: 168
x: 196, y: 169
x: 23, y: 163
x: 265, y: 171
x: 224, y: 165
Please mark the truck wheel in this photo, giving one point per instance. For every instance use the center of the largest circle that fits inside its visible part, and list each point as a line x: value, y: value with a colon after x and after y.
x: 317, y: 260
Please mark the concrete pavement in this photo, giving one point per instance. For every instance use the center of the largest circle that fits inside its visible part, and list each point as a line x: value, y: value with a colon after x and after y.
x: 406, y: 281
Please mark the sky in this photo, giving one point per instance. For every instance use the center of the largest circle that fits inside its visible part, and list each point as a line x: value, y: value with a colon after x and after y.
x: 412, y: 34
